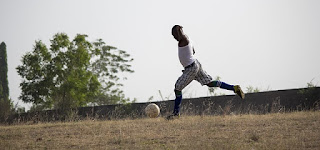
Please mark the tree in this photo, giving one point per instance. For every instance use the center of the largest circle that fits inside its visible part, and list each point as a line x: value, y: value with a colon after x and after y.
x: 5, y: 102
x: 71, y: 73
x: 4, y: 86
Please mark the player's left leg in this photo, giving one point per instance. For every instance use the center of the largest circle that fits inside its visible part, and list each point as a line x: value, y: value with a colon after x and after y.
x: 206, y: 79
x: 223, y: 85
x: 220, y: 84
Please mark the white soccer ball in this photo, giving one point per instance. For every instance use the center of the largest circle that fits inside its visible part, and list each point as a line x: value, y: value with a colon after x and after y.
x: 152, y: 110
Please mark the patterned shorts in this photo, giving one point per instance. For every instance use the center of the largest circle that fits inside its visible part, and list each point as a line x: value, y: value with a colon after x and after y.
x: 195, y: 72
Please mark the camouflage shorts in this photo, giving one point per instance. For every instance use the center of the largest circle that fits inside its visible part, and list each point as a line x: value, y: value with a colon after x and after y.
x: 192, y: 72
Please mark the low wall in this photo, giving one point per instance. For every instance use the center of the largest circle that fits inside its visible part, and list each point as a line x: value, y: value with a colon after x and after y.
x: 254, y: 103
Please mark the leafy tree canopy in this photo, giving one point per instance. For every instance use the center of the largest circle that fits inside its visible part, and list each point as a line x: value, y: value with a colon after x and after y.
x: 73, y: 73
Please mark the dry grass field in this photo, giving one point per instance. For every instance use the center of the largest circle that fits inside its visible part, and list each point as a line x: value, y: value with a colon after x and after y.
x: 297, y: 130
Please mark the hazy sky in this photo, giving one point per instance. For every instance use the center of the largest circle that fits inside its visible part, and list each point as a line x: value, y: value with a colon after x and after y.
x: 269, y: 44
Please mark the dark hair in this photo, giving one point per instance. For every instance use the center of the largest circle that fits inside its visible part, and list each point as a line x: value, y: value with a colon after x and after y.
x: 174, y: 28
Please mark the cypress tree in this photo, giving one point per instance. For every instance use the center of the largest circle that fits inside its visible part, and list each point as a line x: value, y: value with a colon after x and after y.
x: 4, y: 86
x: 5, y: 102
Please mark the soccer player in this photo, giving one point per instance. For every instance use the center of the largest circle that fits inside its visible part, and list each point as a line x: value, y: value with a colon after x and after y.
x: 192, y: 71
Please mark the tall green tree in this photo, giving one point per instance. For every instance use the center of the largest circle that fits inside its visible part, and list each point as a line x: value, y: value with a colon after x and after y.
x: 5, y: 102
x: 72, y: 73
x: 4, y: 86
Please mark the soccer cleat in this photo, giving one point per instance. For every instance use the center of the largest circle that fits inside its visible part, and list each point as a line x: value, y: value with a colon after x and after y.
x: 238, y: 90
x: 173, y: 116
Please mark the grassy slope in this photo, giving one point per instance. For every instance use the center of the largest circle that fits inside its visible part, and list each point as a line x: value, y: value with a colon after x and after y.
x: 298, y: 130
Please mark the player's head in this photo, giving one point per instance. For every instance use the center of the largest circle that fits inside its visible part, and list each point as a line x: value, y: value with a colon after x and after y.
x: 177, y: 32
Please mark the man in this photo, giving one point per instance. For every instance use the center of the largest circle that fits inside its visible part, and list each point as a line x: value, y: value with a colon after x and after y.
x: 192, y: 71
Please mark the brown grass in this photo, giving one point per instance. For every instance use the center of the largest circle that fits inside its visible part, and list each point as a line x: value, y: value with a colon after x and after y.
x: 297, y: 130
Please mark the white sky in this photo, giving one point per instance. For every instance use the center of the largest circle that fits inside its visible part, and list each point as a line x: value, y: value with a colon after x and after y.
x: 269, y: 44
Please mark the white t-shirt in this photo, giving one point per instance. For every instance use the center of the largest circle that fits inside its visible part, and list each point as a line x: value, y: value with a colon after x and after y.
x: 186, y: 55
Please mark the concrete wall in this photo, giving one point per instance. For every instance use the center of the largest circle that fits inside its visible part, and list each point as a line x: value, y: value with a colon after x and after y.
x: 254, y: 103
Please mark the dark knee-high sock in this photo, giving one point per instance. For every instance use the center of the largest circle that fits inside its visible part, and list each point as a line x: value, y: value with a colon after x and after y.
x: 177, y: 102
x: 226, y: 86
x: 220, y: 84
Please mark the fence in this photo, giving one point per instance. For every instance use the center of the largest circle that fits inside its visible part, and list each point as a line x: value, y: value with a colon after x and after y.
x: 254, y: 103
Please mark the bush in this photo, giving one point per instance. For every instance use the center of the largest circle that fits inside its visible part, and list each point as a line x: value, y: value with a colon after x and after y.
x: 311, y: 97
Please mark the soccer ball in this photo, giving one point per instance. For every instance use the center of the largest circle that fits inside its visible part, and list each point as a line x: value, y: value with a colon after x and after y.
x: 152, y: 110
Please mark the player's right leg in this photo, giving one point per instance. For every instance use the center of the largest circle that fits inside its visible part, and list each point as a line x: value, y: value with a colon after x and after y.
x: 185, y: 79
x: 177, y: 103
